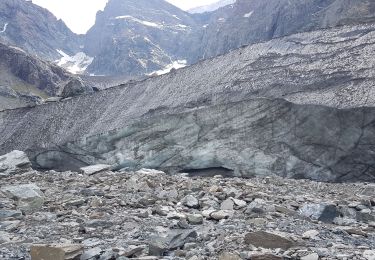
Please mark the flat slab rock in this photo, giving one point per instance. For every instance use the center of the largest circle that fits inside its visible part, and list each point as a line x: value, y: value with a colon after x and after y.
x: 268, y: 240
x: 56, y: 252
x: 92, y: 169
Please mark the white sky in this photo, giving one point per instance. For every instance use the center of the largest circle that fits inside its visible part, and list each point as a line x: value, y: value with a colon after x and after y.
x: 79, y: 15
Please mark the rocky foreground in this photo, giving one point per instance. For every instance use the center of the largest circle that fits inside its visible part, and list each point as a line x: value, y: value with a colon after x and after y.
x: 148, y: 214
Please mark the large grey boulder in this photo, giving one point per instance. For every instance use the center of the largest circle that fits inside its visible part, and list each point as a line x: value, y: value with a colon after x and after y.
x: 13, y: 160
x: 322, y: 212
x: 28, y: 196
x: 75, y: 87
x: 175, y: 239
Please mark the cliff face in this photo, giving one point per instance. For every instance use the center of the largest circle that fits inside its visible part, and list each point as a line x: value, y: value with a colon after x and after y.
x: 224, y: 112
x: 253, y: 21
x: 137, y: 37
x: 36, y: 30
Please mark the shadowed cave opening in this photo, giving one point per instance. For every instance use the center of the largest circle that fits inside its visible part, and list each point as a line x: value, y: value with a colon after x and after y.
x: 209, y: 172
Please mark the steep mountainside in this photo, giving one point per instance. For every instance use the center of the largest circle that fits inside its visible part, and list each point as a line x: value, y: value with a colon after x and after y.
x: 26, y: 80
x: 258, y: 20
x: 224, y: 113
x: 36, y: 30
x: 135, y: 37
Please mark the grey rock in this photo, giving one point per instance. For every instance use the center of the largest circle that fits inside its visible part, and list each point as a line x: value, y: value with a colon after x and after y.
x: 75, y: 87
x: 92, y: 253
x: 13, y: 160
x: 6, y: 214
x: 56, y: 251
x: 266, y: 257
x: 227, y: 204
x: 259, y: 207
x: 229, y: 256
x: 268, y: 240
x: 132, y: 251
x: 369, y: 254
x: 99, y: 223
x: 175, y: 239
x: 53, y: 99
x: 190, y: 201
x: 28, y: 196
x: 221, y: 214
x: 313, y: 256
x: 195, y: 219
x: 9, y: 226
x: 92, y: 169
x: 310, y: 234
x: 322, y: 212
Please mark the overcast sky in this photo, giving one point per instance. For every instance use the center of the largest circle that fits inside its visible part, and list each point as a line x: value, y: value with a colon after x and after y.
x: 79, y: 15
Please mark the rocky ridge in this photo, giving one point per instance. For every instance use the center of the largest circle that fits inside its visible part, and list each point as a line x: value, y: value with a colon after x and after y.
x: 152, y: 215
x: 36, y: 30
x: 27, y: 80
x: 247, y: 22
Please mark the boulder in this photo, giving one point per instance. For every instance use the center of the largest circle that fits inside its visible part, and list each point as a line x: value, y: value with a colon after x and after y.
x: 369, y: 254
x: 190, y: 202
x: 92, y: 253
x: 227, y: 204
x: 175, y: 239
x: 229, y: 256
x: 6, y: 214
x: 195, y: 219
x: 13, y: 160
x: 93, y: 169
x: 259, y: 207
x: 268, y: 240
x: 56, y: 252
x: 221, y: 214
x: 28, y: 196
x: 310, y: 234
x: 75, y: 87
x: 322, y: 212
x: 313, y: 256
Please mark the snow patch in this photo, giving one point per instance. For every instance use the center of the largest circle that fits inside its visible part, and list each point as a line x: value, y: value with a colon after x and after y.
x: 76, y: 64
x: 4, y: 28
x: 174, y: 65
x: 146, y: 23
x: 248, y: 14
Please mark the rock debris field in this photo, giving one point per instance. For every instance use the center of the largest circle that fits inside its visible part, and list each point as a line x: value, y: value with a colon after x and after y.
x: 148, y: 214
